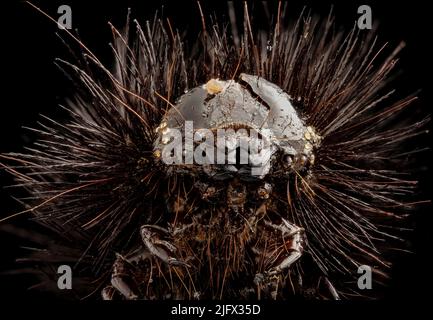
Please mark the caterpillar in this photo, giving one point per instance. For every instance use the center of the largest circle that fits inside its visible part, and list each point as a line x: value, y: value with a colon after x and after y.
x: 141, y: 217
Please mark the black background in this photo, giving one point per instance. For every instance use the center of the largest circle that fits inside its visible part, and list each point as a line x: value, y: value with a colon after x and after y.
x: 31, y: 85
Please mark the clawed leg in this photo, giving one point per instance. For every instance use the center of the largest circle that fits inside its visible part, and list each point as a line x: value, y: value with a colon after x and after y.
x: 155, y: 245
x: 121, y: 280
x: 108, y: 293
x: 162, y: 249
x: 332, y: 289
x: 292, y: 248
x: 293, y: 245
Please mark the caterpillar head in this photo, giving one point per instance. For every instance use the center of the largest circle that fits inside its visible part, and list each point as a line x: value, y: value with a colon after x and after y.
x: 247, y: 128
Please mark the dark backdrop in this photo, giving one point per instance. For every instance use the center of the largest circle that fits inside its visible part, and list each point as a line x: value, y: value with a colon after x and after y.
x: 32, y: 85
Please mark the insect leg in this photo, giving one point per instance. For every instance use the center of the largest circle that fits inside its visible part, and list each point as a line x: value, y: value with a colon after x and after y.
x: 122, y: 280
x: 158, y: 247
x: 332, y: 289
x: 293, y: 245
x: 293, y: 238
x: 108, y: 293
